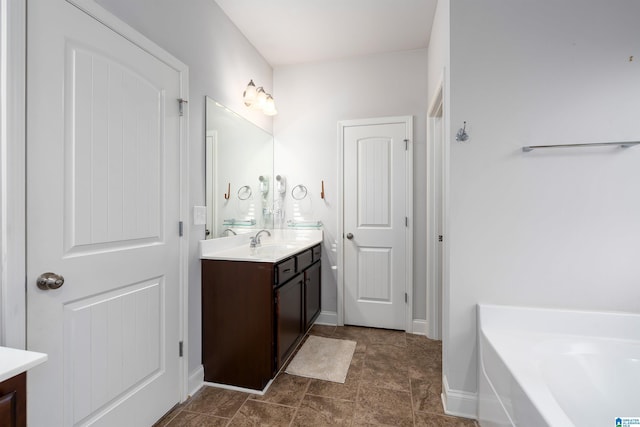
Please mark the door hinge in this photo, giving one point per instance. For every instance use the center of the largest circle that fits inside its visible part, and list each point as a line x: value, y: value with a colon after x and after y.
x: 440, y: 238
x: 180, y: 228
x: 180, y: 349
x: 181, y: 103
x: 406, y: 145
x: 406, y: 297
x: 406, y: 221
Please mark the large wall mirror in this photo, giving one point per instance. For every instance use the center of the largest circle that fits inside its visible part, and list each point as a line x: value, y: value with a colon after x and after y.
x: 239, y: 173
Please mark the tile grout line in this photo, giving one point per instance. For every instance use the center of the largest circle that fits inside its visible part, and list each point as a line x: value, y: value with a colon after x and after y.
x: 238, y: 410
x: 295, y: 414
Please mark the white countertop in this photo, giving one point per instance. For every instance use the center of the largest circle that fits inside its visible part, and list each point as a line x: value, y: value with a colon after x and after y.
x: 14, y: 361
x: 280, y: 245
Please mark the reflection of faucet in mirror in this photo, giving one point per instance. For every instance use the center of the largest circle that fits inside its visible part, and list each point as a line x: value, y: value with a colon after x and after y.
x: 227, y: 231
x: 255, y: 240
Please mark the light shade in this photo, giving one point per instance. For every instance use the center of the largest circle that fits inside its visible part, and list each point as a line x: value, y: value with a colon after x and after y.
x: 250, y: 94
x: 270, y: 106
x: 261, y: 99
x: 258, y: 99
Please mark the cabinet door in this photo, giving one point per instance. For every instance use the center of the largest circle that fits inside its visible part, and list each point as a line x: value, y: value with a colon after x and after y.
x: 237, y: 323
x: 311, y: 294
x: 289, y: 326
x: 13, y: 406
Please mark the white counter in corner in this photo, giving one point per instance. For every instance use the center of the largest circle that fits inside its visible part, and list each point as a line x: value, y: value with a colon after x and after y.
x: 280, y: 245
x: 14, y: 362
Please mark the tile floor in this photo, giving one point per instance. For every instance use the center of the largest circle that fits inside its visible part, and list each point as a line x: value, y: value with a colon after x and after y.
x: 395, y: 379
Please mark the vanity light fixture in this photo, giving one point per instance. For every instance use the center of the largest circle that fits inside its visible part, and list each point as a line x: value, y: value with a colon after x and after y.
x: 250, y: 94
x: 269, y: 106
x: 258, y: 99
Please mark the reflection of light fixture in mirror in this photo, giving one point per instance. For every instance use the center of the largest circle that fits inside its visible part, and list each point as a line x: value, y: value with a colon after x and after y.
x: 258, y: 99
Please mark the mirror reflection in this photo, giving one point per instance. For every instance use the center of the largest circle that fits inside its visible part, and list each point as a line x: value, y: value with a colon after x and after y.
x: 239, y: 173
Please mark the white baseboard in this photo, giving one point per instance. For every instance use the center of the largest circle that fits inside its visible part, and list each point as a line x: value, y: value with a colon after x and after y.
x: 457, y: 402
x: 329, y: 318
x: 419, y: 327
x: 196, y: 380
x: 242, y: 389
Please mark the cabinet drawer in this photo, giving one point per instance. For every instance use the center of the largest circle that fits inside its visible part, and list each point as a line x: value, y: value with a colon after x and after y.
x: 317, y: 253
x: 285, y: 270
x: 305, y: 259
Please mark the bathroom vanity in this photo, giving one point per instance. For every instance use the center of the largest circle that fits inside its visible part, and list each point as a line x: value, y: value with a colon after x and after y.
x: 14, y: 364
x: 257, y: 304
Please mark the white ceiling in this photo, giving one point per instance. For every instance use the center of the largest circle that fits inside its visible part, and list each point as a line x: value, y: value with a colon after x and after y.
x: 295, y: 31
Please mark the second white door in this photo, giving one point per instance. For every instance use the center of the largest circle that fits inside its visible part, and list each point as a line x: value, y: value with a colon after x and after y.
x: 375, y: 222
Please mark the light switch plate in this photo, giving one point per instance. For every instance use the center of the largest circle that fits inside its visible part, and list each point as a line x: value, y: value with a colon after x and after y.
x: 199, y: 215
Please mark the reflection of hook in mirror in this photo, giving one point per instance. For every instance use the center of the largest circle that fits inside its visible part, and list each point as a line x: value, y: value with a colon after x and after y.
x: 281, y: 184
x: 228, y: 193
x: 264, y: 184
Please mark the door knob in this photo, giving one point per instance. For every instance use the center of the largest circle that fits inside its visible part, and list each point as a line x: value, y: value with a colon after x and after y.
x: 349, y: 236
x: 48, y: 281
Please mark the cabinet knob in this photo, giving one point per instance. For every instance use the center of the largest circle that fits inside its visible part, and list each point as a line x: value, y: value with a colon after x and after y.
x: 349, y: 236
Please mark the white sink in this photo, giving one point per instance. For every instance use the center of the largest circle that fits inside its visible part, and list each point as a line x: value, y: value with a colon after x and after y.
x: 273, y: 248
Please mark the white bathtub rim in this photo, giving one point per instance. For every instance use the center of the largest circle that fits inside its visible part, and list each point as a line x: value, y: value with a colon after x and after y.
x: 623, y: 324
x: 521, y: 369
x: 524, y: 373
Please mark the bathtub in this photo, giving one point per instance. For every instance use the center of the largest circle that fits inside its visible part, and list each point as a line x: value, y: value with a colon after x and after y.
x: 544, y: 367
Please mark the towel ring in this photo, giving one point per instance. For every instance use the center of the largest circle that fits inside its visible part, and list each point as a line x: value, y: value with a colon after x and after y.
x: 244, y: 192
x: 299, y: 192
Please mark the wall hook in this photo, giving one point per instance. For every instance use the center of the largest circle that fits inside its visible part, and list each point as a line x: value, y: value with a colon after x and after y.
x: 322, y: 191
x: 228, y: 194
x: 462, y: 134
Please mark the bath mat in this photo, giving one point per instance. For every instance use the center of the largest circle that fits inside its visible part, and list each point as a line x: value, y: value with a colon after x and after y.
x: 323, y: 358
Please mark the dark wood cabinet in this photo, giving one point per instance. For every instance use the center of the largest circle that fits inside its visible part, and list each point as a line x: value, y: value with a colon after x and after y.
x: 289, y: 322
x: 254, y: 314
x: 312, y: 294
x: 13, y: 401
x: 237, y: 323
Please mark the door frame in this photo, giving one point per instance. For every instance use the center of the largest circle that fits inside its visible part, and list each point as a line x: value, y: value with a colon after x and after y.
x: 118, y: 26
x: 408, y: 121
x: 435, y: 290
x: 13, y: 14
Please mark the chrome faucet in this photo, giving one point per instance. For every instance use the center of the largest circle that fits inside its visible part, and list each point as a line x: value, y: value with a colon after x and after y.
x: 255, y: 240
x: 224, y: 233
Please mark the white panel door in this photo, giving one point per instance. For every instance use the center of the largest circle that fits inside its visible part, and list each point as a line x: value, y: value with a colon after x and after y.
x: 375, y: 200
x: 103, y: 196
